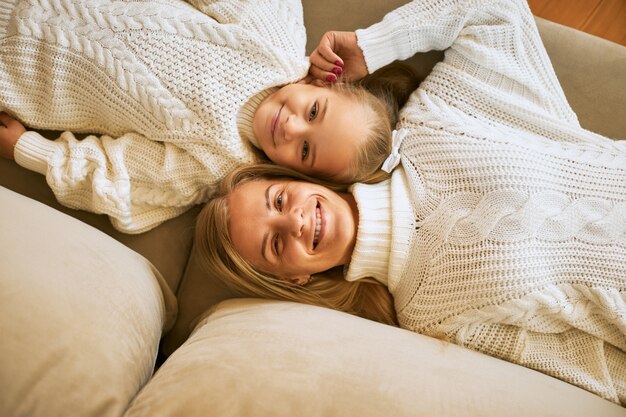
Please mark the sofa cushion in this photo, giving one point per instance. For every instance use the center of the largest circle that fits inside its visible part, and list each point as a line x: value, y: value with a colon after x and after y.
x: 267, y: 358
x: 81, y: 315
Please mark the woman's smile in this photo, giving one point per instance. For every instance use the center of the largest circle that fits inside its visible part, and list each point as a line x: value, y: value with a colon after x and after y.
x: 320, y: 224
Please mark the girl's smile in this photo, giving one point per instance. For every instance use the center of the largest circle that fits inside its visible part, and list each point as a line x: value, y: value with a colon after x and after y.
x: 275, y: 120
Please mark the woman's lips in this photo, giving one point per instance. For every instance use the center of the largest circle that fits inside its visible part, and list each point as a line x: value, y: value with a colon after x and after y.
x: 275, y: 122
x: 322, y: 227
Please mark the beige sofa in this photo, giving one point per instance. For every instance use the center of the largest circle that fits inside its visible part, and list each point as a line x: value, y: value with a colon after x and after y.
x: 85, y: 310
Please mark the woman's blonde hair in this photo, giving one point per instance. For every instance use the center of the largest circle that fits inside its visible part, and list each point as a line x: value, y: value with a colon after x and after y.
x: 383, y: 93
x: 365, y: 298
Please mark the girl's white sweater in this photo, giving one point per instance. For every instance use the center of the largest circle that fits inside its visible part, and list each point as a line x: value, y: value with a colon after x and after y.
x: 516, y: 245
x: 162, y: 82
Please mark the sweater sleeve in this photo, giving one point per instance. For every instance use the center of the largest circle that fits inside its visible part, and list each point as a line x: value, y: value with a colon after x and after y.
x: 573, y: 356
x: 494, y: 45
x: 137, y: 182
x: 279, y: 22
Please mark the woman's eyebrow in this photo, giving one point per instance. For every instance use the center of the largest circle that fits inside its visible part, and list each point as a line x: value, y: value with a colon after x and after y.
x: 269, y: 208
x: 263, y: 247
x: 267, y: 197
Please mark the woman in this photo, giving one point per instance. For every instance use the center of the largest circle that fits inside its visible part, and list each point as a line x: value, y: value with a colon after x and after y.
x: 503, y: 231
x: 531, y: 276
x: 177, y: 91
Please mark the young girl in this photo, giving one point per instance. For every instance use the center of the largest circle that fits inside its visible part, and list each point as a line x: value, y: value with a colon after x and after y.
x: 176, y: 91
x: 502, y: 231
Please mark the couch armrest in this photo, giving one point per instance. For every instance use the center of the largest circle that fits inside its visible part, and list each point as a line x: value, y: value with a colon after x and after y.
x: 592, y: 72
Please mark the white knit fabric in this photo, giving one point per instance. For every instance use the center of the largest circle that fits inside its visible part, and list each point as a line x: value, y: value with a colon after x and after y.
x: 161, y: 81
x: 517, y: 246
x: 370, y: 257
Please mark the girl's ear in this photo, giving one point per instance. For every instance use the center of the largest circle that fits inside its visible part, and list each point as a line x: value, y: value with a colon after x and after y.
x: 300, y: 279
x: 309, y: 79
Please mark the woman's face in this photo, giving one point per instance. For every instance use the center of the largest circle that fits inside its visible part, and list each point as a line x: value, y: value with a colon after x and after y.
x: 312, y: 129
x: 292, y: 229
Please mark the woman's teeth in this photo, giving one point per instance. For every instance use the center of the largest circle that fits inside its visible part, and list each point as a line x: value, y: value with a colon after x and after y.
x: 318, y: 226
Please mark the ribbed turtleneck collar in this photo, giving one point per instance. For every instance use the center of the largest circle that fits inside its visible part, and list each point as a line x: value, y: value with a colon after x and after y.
x: 370, y: 257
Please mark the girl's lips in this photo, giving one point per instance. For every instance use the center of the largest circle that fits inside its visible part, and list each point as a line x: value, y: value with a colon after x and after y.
x: 274, y: 122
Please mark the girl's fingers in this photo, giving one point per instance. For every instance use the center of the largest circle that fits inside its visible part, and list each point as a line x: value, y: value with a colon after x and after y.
x: 320, y: 74
x: 326, y: 51
x: 324, y: 65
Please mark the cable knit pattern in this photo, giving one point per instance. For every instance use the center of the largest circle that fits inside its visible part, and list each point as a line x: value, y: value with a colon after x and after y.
x: 161, y: 81
x: 517, y: 245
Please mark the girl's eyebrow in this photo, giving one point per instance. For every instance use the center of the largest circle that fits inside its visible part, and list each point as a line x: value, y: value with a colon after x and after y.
x: 314, y: 151
x: 313, y: 154
x: 325, y: 108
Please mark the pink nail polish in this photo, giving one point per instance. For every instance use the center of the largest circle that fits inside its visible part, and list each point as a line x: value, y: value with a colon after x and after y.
x: 339, y: 63
x: 331, y: 78
x: 337, y: 70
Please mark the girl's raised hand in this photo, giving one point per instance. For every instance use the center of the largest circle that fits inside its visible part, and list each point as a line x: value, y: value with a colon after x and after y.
x: 338, y: 54
x: 10, y: 132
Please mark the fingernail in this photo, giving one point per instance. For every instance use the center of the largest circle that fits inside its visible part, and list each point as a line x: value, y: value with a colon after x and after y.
x: 337, y: 70
x: 338, y: 62
x: 331, y: 78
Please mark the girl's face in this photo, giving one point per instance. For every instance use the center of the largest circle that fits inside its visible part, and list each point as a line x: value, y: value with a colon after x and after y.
x: 312, y: 129
x: 292, y: 229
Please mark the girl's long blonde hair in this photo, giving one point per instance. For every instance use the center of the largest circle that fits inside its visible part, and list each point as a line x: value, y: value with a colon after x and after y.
x: 365, y: 298
x: 382, y: 94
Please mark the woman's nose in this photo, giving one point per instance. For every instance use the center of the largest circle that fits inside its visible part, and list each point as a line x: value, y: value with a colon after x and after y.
x: 294, y: 128
x: 293, y: 222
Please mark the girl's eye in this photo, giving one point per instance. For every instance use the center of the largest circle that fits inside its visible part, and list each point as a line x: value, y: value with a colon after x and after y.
x: 313, y: 112
x: 305, y: 150
x: 279, y: 201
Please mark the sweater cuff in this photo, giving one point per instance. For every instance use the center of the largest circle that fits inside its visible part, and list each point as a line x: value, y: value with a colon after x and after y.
x: 384, y: 42
x: 32, y: 151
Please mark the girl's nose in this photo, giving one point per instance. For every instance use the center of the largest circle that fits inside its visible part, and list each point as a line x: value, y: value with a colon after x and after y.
x: 294, y: 128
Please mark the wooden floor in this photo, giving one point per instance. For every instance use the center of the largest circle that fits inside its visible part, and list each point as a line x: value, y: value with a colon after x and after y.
x: 603, y: 18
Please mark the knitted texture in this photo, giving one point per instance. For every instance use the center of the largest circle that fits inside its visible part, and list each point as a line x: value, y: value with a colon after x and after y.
x: 370, y: 257
x: 517, y: 246
x: 161, y: 81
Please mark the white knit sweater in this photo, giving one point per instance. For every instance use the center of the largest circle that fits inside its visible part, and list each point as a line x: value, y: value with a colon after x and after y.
x: 516, y: 246
x: 162, y: 81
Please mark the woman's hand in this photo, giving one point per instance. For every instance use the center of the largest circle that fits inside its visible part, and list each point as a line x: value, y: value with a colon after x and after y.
x: 10, y: 132
x: 338, y: 54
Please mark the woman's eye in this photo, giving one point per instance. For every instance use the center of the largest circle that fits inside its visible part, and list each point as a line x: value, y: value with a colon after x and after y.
x: 313, y: 112
x: 276, y: 245
x: 305, y: 150
x: 279, y: 201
